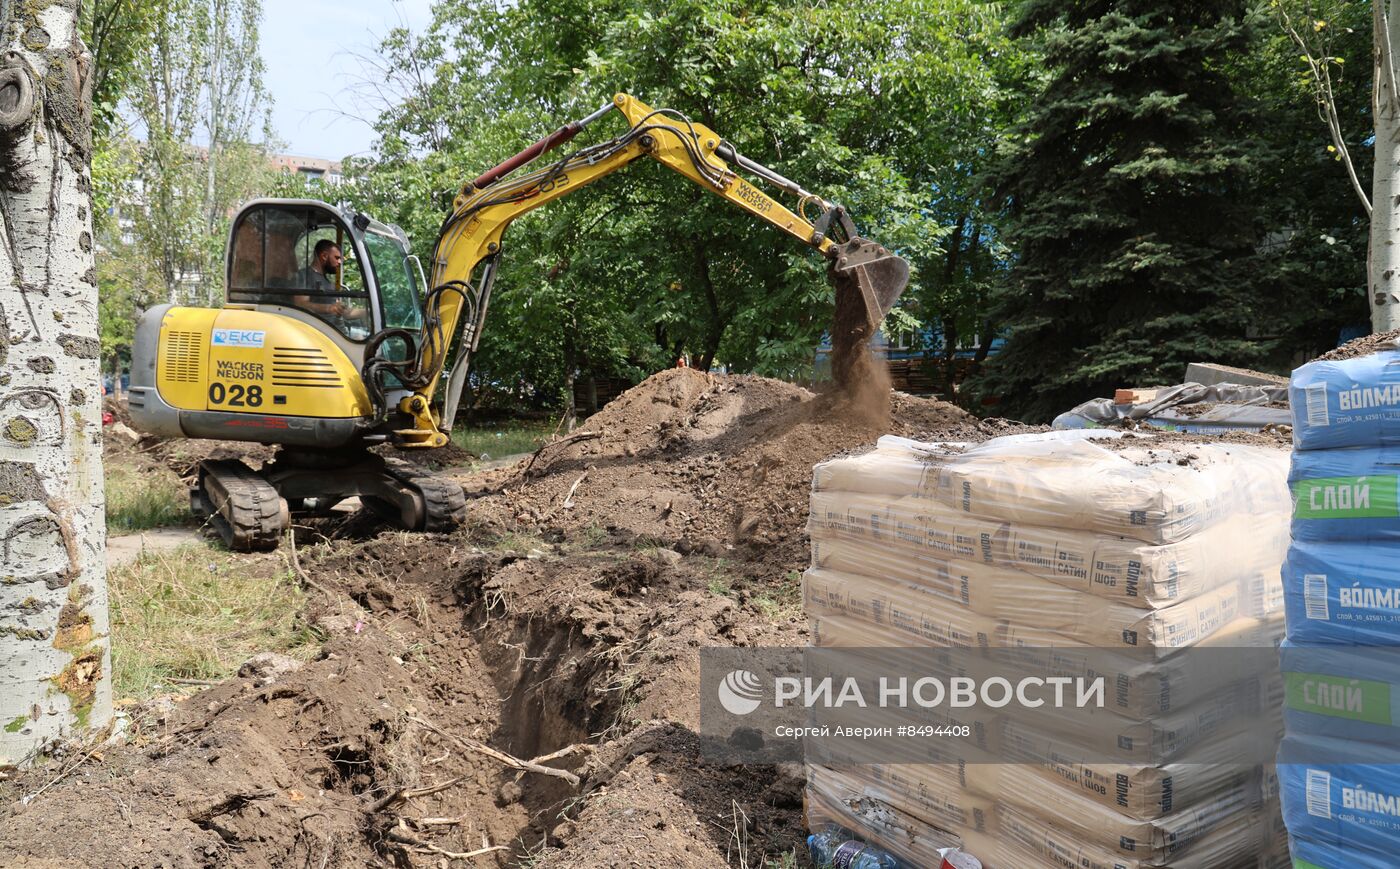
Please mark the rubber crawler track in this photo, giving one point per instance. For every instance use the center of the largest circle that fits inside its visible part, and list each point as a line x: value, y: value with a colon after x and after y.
x: 243, y: 507
x: 444, y: 502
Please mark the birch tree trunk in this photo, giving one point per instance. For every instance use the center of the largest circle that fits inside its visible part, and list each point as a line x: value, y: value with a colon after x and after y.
x: 54, y: 658
x: 1383, y: 276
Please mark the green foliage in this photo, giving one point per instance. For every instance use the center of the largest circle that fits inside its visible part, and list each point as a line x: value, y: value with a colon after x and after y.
x: 116, y: 32
x: 867, y: 105
x: 1134, y: 197
x: 124, y: 277
x: 507, y: 439
x: 201, y: 76
x: 1322, y: 231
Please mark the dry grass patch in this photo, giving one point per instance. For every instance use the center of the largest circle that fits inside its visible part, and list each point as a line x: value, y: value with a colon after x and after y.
x: 198, y: 613
x: 137, y: 501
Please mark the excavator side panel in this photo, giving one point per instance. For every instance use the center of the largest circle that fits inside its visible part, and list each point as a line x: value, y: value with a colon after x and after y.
x: 182, y: 356
x: 241, y: 361
x: 239, y: 374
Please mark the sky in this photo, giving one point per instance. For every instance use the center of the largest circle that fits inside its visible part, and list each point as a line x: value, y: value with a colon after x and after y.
x: 307, y: 48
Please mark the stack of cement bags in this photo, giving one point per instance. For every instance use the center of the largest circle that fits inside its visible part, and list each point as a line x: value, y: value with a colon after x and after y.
x: 1341, y: 661
x: 1075, y: 548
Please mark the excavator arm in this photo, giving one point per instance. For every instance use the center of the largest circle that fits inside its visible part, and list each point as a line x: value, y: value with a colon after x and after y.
x: 864, y: 273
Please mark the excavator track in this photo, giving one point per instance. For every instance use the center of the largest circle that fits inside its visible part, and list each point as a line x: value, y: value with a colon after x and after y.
x: 251, y: 510
x: 442, y: 503
x: 395, y: 490
x: 243, y: 507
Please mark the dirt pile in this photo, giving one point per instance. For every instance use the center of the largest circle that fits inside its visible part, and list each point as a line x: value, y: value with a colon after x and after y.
x: 1363, y: 346
x: 703, y: 462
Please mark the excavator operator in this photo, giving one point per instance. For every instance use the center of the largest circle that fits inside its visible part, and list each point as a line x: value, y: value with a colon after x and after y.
x: 320, y: 278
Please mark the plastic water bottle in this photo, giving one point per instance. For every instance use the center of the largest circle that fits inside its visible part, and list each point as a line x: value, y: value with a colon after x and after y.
x: 956, y: 858
x: 836, y: 848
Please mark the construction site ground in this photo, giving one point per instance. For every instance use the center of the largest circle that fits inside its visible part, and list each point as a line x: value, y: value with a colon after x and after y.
x: 565, y: 619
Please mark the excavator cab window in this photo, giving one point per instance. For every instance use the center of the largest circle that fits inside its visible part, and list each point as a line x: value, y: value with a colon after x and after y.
x: 272, y: 261
x: 398, y: 284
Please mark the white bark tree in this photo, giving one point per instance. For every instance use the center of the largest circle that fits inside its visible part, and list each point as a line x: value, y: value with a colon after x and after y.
x: 1383, y: 273
x: 54, y: 658
x: 1309, y: 24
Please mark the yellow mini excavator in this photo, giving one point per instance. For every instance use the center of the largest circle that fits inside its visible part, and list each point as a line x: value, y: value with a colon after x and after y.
x: 326, y: 358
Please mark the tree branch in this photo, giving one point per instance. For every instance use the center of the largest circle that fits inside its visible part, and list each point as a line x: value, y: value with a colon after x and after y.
x: 495, y: 754
x: 1326, y: 101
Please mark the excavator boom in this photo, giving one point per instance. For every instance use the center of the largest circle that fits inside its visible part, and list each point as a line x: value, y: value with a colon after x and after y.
x: 867, y: 277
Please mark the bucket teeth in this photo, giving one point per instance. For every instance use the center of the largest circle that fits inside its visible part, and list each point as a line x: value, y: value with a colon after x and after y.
x: 876, y: 274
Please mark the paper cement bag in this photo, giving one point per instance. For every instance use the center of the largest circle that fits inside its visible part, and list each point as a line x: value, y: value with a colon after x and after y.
x: 1031, y: 620
x: 1026, y: 841
x: 1047, y: 823
x: 1101, y: 734
x: 1343, y: 593
x: 1246, y: 663
x: 1350, y: 802
x: 1032, y: 602
x: 1059, y: 614
x: 1157, y: 491
x: 1120, y: 568
x: 1142, y: 791
x: 1346, y: 402
x: 1351, y: 494
x: 974, y: 586
x: 922, y: 619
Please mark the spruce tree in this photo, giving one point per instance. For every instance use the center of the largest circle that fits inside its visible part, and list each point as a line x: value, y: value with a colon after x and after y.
x: 1130, y: 202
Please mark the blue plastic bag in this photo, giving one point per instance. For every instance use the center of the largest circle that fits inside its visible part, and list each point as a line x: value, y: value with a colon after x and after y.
x: 1344, y: 692
x: 1319, y: 855
x: 1339, y: 800
x: 1346, y: 403
x: 1344, y: 593
x: 1351, y: 494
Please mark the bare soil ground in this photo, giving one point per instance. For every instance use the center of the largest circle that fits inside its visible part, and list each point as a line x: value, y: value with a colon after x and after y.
x: 567, y: 615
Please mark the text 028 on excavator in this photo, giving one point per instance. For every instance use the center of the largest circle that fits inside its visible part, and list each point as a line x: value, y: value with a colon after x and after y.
x: 327, y: 344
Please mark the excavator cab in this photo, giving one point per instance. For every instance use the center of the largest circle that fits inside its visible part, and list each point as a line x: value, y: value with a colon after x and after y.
x: 272, y: 265
x: 280, y: 364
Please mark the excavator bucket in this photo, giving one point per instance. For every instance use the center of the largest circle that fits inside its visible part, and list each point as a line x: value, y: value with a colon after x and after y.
x: 868, y: 279
x: 877, y: 275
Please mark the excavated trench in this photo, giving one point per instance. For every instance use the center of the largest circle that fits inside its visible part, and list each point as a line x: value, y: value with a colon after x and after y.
x: 536, y: 685
x: 590, y: 647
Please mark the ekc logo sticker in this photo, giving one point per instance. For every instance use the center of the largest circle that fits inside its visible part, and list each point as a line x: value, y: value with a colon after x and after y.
x: 238, y: 338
